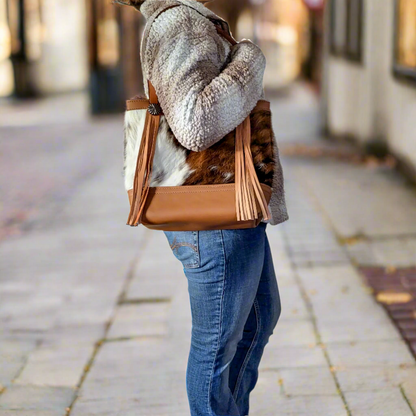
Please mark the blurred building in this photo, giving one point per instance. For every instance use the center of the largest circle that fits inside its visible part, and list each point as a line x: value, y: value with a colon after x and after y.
x: 57, y: 46
x: 370, y: 90
x: 42, y: 46
x: 281, y: 28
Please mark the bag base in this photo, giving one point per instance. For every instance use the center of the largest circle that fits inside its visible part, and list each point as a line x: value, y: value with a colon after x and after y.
x: 195, y: 208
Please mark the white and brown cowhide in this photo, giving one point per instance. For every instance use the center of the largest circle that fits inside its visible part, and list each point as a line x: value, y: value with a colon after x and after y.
x: 174, y: 165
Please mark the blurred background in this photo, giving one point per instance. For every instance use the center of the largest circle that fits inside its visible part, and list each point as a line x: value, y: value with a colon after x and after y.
x: 51, y: 46
x: 94, y: 315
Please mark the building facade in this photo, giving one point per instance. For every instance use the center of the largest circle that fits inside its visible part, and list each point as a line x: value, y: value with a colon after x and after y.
x: 370, y: 82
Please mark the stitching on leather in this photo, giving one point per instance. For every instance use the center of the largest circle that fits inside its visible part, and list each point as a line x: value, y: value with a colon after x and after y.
x: 196, y: 189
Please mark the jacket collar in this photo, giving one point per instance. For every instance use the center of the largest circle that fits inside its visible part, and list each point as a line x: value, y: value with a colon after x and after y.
x: 152, y: 7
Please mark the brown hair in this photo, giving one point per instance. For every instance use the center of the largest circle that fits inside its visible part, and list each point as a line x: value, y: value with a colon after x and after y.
x: 137, y: 3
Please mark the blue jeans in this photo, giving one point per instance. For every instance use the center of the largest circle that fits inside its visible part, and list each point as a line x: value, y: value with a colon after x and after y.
x: 235, y: 306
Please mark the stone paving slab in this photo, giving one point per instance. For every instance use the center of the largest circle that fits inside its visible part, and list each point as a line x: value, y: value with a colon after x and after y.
x: 394, y: 251
x: 59, y: 366
x: 374, y: 378
x: 293, y: 304
x: 354, y: 198
x: 378, y: 403
x: 55, y: 399
x: 367, y: 330
x: 29, y: 413
x: 269, y: 399
x: 92, y: 288
x: 150, y: 380
x: 303, y: 381
x: 77, y: 335
x: 292, y: 357
x: 377, y: 353
x: 338, y: 294
x: 294, y: 332
x: 146, y: 319
x: 128, y: 408
x: 154, y: 283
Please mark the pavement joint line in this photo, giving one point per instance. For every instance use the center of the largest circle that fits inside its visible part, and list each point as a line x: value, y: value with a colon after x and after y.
x: 321, y: 210
x: 136, y: 337
x: 304, y: 294
x: 356, y: 265
x: 358, y: 238
x: 99, y: 343
x: 407, y: 400
x: 3, y: 388
x: 314, y: 324
x: 344, y: 247
x: 144, y: 300
x: 26, y: 359
x: 351, y: 240
x: 147, y: 235
x: 363, y: 341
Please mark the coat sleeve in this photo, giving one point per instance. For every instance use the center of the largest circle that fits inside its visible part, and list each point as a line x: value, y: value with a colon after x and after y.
x: 203, y: 99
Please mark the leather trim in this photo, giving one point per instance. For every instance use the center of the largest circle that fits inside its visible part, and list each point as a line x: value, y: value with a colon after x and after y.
x: 143, y: 104
x: 152, y: 94
x: 137, y: 104
x: 195, y: 208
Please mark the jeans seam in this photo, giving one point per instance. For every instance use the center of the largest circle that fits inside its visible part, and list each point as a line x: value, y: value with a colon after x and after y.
x: 250, y: 350
x: 220, y: 326
x: 195, y: 247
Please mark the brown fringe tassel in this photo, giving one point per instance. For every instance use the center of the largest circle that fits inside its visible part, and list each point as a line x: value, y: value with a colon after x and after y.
x: 247, y: 186
x: 143, y: 168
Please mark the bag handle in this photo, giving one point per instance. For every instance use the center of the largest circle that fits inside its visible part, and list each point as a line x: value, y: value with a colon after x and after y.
x: 248, y: 192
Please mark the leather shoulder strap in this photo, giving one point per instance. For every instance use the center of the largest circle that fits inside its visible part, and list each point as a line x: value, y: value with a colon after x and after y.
x: 167, y: 8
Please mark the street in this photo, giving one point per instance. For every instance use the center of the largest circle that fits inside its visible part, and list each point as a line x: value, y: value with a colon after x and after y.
x: 95, y: 317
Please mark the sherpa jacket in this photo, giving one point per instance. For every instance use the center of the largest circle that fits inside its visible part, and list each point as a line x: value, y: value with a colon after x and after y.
x: 206, y: 86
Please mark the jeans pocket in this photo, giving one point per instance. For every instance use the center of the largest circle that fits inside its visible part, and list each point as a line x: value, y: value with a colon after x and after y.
x: 185, y: 247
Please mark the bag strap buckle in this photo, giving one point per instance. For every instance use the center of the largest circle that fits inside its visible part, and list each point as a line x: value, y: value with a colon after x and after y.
x: 155, y: 109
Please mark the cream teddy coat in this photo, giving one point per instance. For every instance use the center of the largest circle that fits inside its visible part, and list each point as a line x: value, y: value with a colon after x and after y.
x: 206, y: 86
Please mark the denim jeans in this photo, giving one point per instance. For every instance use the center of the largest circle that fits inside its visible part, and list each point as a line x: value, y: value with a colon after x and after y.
x: 235, y: 306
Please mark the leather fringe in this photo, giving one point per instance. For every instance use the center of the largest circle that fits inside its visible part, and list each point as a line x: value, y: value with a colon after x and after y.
x: 143, y: 168
x: 248, y: 192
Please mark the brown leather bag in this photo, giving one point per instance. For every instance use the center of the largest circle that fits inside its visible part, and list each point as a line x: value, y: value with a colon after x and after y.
x: 207, y: 206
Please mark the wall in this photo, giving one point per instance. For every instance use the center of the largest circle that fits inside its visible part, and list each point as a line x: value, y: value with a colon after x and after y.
x: 365, y: 101
x: 63, y: 65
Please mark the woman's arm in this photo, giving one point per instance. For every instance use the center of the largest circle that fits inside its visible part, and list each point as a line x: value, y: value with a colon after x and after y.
x: 202, y: 98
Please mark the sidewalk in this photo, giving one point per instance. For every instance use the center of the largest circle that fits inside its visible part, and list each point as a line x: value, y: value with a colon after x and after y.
x: 94, y: 315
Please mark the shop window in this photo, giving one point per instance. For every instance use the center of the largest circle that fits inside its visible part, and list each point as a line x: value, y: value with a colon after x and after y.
x: 346, y: 28
x: 405, y: 39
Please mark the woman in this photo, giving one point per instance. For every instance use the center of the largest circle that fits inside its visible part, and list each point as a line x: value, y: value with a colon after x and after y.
x: 207, y: 85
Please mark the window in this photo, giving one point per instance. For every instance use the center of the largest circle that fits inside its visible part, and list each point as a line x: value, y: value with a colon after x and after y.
x: 354, y: 30
x: 405, y: 39
x: 338, y: 26
x: 346, y: 34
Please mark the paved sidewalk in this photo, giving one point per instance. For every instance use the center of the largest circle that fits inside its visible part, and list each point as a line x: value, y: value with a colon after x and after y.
x: 94, y: 315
